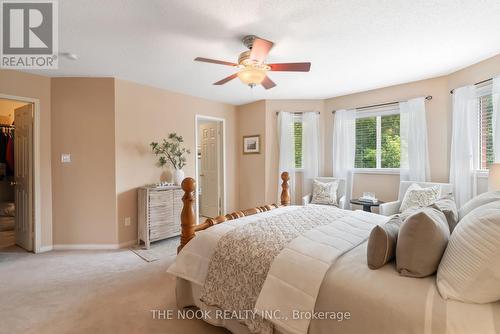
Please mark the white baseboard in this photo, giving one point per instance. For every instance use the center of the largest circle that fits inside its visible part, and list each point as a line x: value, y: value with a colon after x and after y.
x: 127, y: 244
x: 44, y: 249
x: 94, y: 246
x: 86, y: 246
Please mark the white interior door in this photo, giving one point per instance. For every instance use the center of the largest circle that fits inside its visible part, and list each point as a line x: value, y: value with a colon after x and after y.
x: 23, y: 176
x: 210, y: 169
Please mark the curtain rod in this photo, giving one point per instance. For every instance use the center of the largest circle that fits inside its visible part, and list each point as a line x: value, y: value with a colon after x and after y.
x: 300, y: 112
x: 428, y: 98
x: 477, y: 83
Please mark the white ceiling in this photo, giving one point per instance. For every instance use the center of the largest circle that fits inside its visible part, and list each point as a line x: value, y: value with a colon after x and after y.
x: 354, y: 45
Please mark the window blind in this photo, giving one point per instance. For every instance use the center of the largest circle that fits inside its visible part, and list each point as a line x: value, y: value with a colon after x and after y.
x: 378, y: 138
x: 297, y: 132
x: 485, y: 107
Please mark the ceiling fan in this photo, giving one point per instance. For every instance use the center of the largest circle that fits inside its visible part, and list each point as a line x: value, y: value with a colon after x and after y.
x: 252, y: 70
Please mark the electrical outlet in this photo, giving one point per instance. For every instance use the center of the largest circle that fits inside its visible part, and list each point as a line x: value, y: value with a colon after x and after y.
x: 127, y: 221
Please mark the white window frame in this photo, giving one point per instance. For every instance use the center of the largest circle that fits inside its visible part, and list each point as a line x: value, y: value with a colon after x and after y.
x: 378, y: 112
x: 482, y: 90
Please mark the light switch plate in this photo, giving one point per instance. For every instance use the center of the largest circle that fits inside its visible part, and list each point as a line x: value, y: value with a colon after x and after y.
x: 65, y: 158
x: 127, y: 221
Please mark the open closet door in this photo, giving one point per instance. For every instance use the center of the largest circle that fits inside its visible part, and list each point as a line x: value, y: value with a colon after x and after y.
x: 23, y: 176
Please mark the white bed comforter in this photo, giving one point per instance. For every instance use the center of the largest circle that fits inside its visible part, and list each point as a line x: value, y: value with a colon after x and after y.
x: 296, y: 274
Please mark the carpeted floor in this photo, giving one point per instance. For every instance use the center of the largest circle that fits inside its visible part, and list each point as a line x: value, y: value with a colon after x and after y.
x: 88, y: 292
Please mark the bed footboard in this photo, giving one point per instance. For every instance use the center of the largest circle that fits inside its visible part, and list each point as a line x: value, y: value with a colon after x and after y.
x: 188, y: 217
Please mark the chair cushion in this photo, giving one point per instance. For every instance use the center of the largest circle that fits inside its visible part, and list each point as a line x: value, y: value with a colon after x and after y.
x: 417, y: 197
x: 421, y: 242
x: 324, y: 193
x: 381, y: 246
x: 470, y: 268
x: 478, y: 201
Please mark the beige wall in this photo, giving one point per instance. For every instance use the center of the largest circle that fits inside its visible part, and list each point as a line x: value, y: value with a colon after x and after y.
x: 145, y: 114
x: 439, y: 111
x: 260, y: 185
x: 475, y: 73
x: 251, y: 120
x: 107, y: 124
x: 36, y: 87
x: 84, y: 201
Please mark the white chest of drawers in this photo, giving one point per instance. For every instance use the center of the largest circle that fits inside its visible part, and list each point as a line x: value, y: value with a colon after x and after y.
x: 159, y: 210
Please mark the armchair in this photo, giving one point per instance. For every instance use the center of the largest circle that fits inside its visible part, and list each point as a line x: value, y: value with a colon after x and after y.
x: 391, y: 208
x: 340, y: 191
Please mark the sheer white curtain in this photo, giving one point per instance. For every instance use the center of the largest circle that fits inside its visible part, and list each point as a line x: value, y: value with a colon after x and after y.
x: 496, y: 118
x: 413, y: 133
x: 286, y: 151
x: 344, y: 147
x: 464, y: 160
x: 310, y: 149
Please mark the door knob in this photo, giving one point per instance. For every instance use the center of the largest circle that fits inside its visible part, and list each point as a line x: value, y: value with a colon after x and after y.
x: 13, y: 183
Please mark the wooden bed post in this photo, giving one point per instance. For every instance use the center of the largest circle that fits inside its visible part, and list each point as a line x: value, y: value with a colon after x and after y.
x: 188, y: 218
x: 285, y: 192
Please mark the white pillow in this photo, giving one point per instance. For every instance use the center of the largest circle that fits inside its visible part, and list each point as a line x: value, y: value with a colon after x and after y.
x: 418, y: 197
x: 470, y: 268
x: 478, y: 201
x: 324, y: 193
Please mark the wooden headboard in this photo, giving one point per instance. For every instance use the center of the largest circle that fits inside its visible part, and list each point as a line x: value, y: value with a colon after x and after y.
x: 188, y: 217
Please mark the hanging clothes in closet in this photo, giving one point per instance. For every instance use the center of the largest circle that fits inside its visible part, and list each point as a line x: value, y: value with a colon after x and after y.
x: 9, y: 155
x: 6, y: 151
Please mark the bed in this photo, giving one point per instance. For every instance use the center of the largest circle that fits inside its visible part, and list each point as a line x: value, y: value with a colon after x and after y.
x: 317, y: 282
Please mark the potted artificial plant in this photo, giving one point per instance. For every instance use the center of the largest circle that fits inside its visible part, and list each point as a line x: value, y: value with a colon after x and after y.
x: 171, y: 151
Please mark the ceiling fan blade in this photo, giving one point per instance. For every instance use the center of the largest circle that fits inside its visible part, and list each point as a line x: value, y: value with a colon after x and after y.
x: 214, y: 61
x: 291, y: 67
x: 260, y: 49
x: 229, y: 78
x: 267, y: 83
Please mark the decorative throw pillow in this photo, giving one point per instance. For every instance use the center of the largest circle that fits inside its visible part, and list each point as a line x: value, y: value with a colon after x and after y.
x: 381, y: 246
x: 470, y: 268
x: 478, y: 201
x: 418, y: 197
x: 447, y: 206
x: 422, y: 240
x: 324, y: 193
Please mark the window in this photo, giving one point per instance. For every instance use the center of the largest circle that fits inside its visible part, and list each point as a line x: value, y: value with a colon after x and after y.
x: 297, y: 134
x: 485, y: 109
x: 377, y: 139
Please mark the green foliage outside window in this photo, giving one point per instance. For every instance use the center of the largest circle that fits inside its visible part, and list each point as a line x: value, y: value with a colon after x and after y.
x: 366, y: 142
x: 486, y: 131
x: 297, y: 132
x: 391, y: 142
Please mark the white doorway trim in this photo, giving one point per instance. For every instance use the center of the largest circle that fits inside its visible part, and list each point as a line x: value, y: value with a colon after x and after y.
x: 197, y: 118
x: 37, y: 247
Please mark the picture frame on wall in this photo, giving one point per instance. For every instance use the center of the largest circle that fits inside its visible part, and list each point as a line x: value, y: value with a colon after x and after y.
x: 251, y: 144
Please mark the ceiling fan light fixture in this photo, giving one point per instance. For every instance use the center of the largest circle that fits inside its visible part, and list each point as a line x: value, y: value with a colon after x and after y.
x: 252, y: 75
x: 252, y: 67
